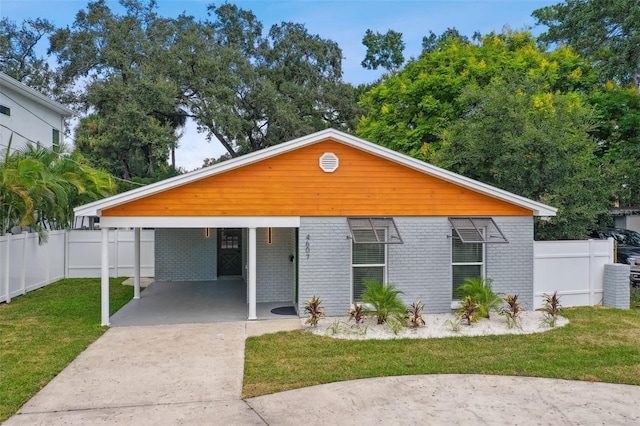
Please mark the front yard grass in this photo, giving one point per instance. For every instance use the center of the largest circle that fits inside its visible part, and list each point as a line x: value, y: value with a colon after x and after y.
x: 599, y: 344
x: 43, y: 331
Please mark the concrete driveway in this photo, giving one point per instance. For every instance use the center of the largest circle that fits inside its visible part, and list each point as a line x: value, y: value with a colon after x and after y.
x: 191, y: 374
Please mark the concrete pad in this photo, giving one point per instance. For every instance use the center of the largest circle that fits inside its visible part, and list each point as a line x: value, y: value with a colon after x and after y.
x: 144, y: 281
x: 453, y: 399
x: 260, y: 327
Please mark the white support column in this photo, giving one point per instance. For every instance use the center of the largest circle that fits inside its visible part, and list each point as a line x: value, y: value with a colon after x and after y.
x: 105, y: 276
x: 252, y: 274
x: 136, y: 263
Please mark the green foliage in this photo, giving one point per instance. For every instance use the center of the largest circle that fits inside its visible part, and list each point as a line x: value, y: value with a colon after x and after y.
x: 383, y: 50
x: 482, y: 295
x: 313, y: 309
x: 409, y: 110
x: 39, y: 188
x: 634, y: 297
x: 551, y: 308
x: 383, y: 301
x: 618, y: 136
x: 512, y: 311
x: 414, y: 314
x: 606, y: 31
x: 18, y: 57
x: 535, y: 144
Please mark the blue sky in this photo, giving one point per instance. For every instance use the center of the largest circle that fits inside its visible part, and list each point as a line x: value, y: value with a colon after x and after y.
x: 344, y: 22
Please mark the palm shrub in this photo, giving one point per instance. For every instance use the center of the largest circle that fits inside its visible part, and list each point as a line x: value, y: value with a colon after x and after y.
x: 383, y: 301
x: 480, y: 291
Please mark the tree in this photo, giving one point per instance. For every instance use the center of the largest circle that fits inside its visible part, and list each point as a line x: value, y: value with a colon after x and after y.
x: 39, y: 188
x: 605, y: 31
x: 383, y: 50
x: 408, y: 110
x: 618, y: 136
x: 251, y: 91
x: 18, y: 57
x: 123, y: 58
x: 533, y: 143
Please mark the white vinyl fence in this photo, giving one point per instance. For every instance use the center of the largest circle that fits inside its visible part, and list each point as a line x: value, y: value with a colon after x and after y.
x: 575, y: 269
x: 25, y: 265
x: 84, y: 250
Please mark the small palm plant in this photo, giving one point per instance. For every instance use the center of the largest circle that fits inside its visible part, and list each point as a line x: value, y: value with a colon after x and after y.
x: 312, y: 307
x: 383, y: 301
x: 480, y: 291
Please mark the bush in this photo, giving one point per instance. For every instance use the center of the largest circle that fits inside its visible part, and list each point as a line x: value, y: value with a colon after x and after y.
x: 480, y: 291
x: 383, y: 301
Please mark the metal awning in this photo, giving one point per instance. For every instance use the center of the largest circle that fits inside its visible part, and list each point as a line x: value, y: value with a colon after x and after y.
x: 477, y: 230
x: 374, y: 230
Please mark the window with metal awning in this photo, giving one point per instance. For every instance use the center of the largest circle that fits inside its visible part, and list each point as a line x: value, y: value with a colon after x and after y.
x: 374, y: 230
x: 477, y: 230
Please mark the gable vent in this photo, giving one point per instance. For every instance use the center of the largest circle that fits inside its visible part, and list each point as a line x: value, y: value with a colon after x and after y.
x: 329, y: 162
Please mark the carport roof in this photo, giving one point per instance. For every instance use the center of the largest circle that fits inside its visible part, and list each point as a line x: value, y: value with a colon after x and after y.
x: 95, y: 208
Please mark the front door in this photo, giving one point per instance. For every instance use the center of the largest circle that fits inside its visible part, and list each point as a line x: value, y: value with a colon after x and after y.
x: 229, y: 252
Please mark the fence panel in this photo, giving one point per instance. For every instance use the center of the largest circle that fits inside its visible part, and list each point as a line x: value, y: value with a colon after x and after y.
x: 84, y: 253
x: 27, y: 265
x: 575, y: 269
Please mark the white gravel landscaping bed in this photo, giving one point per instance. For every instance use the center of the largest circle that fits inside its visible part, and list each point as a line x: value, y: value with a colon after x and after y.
x: 437, y: 326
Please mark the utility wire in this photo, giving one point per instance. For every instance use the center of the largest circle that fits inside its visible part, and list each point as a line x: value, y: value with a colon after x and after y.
x: 64, y: 157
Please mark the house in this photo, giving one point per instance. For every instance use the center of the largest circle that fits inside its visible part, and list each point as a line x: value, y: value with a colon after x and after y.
x: 627, y: 218
x: 27, y: 115
x: 319, y: 215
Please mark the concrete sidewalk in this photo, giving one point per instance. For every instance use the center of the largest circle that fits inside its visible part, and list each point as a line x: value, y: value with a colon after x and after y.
x: 191, y: 374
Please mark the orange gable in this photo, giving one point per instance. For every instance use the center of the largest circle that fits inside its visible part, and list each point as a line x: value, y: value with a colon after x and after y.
x: 293, y: 184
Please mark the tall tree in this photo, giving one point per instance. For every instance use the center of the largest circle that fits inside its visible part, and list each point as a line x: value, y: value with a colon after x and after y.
x: 18, y: 57
x: 606, y: 31
x: 251, y: 91
x: 383, y: 50
x: 533, y: 143
x: 122, y: 59
x: 408, y: 110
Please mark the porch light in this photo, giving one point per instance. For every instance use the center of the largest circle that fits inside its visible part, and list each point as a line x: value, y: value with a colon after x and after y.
x: 270, y: 236
x: 207, y: 232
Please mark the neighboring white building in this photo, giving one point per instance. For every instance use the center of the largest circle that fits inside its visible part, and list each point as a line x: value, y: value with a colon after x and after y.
x: 29, y: 116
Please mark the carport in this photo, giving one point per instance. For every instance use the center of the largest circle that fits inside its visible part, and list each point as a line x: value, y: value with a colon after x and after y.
x: 193, y: 302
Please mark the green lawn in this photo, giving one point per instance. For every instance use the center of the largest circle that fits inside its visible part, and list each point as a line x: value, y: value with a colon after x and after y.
x: 599, y: 344
x: 43, y: 331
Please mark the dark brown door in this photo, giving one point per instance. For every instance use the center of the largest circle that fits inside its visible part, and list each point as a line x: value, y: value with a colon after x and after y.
x: 229, y: 252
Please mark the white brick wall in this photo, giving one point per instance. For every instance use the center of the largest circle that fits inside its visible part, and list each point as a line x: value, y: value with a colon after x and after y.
x: 421, y: 267
x: 185, y: 255
x: 275, y: 271
x: 511, y: 265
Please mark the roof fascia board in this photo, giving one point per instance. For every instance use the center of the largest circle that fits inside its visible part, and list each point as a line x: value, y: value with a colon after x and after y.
x: 538, y: 209
x: 34, y: 95
x: 200, y: 222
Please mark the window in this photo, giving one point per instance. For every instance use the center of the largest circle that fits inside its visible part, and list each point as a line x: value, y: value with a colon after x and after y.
x: 56, y: 138
x: 368, y: 260
x: 5, y: 110
x: 467, y: 261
